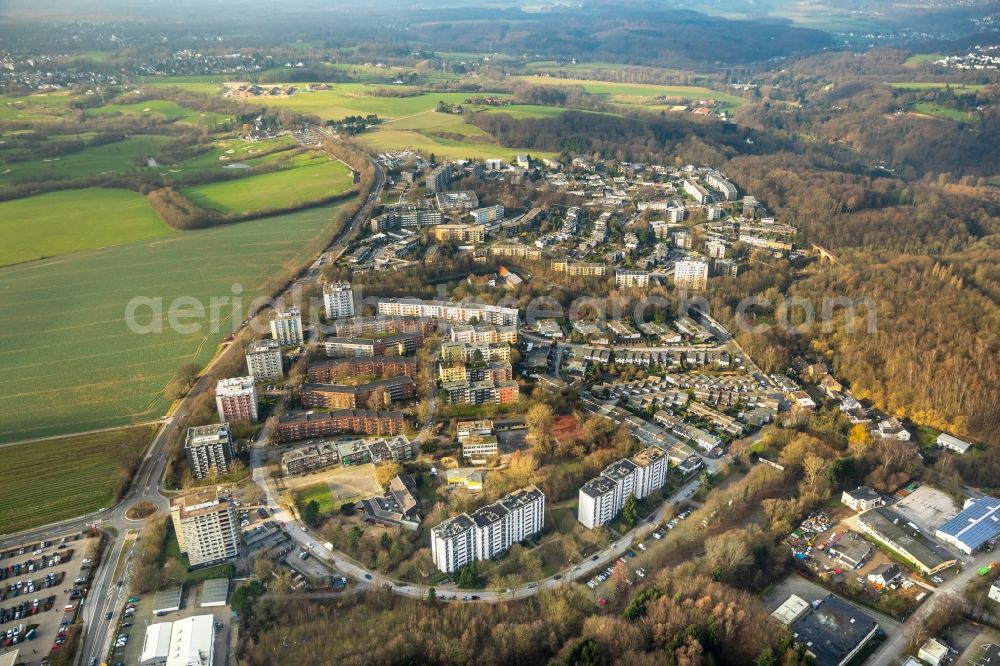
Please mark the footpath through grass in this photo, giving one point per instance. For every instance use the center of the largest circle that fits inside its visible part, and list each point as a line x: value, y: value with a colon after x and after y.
x: 50, y: 225
x: 69, y: 361
x: 57, y: 479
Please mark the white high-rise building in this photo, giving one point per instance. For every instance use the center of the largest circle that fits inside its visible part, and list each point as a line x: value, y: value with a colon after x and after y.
x: 597, y: 502
x: 286, y: 327
x: 489, y: 531
x: 453, y: 543
x: 209, y: 447
x: 236, y: 399
x: 691, y: 274
x: 339, y: 300
x: 206, y: 528
x: 601, y: 499
x: 264, y: 360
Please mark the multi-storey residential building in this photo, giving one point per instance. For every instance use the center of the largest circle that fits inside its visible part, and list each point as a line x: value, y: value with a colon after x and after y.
x: 208, y: 447
x: 489, y: 531
x: 483, y: 334
x: 515, y: 250
x: 631, y: 279
x: 347, y: 452
x: 713, y: 213
x: 322, y: 424
x: 601, y: 499
x: 719, y: 182
x: 479, y: 393
x: 381, y: 325
x: 487, y: 214
x: 696, y: 191
x: 438, y: 179
x: 326, y: 372
x: 403, y: 343
x: 580, y: 269
x: 236, y: 399
x: 310, y: 458
x: 715, y: 249
x: 460, y: 233
x: 206, y: 528
x: 464, y: 200
x: 691, y: 274
x: 460, y: 312
x: 406, y: 217
x: 338, y: 300
x: 264, y: 360
x: 493, y: 372
x: 765, y: 242
x: 597, y: 502
x: 453, y: 543
x: 683, y: 240
x: 286, y: 327
x: 463, y: 352
x: 341, y: 396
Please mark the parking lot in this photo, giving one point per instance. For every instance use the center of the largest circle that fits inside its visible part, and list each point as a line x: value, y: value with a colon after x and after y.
x: 42, y: 585
x: 632, y: 561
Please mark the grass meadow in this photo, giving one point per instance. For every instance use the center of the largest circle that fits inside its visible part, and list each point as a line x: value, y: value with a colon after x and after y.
x: 634, y: 94
x: 313, y: 177
x: 117, y: 157
x: 934, y: 85
x: 163, y: 109
x: 62, y: 478
x: 939, y: 111
x: 69, y: 362
x: 50, y: 225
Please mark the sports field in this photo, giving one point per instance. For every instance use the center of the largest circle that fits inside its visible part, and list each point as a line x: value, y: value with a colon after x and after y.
x: 56, y: 479
x: 312, y: 177
x: 68, y: 360
x: 121, y: 156
x: 50, y: 225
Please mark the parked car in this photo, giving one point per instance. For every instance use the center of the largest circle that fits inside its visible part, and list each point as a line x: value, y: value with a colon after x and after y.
x: 602, y: 601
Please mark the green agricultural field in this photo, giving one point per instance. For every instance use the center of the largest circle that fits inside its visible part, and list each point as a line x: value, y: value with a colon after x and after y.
x: 933, y: 85
x: 311, y: 178
x: 634, y: 94
x: 922, y: 59
x: 68, y: 360
x: 209, y: 84
x: 50, y: 225
x: 165, y: 110
x: 939, y: 111
x: 385, y: 139
x: 346, y: 99
x: 56, y: 479
x: 519, y: 111
x: 117, y: 157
